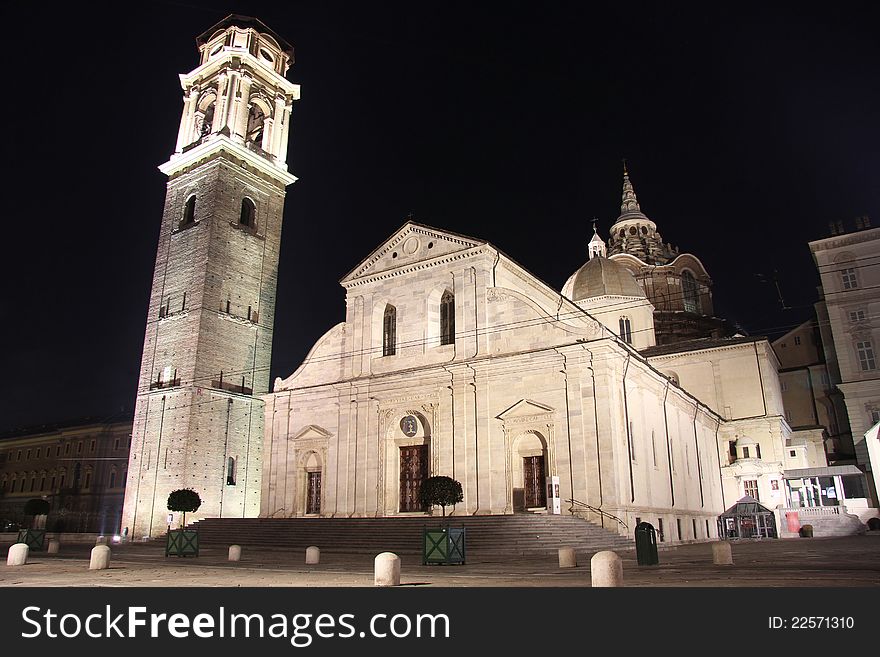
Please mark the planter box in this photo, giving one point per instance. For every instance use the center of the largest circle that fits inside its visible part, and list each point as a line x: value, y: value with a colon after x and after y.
x: 182, y: 542
x: 444, y: 546
x: 35, y: 539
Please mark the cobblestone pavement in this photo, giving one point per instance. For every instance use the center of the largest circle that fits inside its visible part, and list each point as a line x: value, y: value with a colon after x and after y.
x: 832, y: 562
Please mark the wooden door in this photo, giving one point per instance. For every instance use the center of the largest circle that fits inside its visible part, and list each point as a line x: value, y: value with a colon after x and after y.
x: 413, y: 471
x: 533, y: 481
x: 313, y: 492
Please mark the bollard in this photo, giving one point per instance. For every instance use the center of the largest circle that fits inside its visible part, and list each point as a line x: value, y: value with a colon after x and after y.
x: 54, y: 546
x: 235, y: 553
x: 313, y: 555
x: 606, y: 569
x: 387, y: 570
x: 722, y: 554
x: 17, y: 555
x: 567, y: 558
x: 100, y: 559
x: 101, y: 540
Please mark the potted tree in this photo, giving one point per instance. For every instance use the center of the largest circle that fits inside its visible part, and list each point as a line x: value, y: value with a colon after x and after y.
x: 443, y: 545
x: 183, y: 542
x: 35, y: 537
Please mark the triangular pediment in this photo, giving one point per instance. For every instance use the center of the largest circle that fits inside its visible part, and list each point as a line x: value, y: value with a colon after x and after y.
x: 311, y: 431
x: 525, y: 408
x: 410, y: 244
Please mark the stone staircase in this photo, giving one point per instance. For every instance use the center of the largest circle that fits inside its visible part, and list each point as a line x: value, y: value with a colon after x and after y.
x: 487, y: 536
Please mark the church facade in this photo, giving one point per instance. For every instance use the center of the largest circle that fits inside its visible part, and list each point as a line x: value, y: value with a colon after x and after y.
x: 455, y: 360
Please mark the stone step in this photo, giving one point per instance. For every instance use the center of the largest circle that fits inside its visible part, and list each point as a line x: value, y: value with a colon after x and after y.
x: 520, y: 534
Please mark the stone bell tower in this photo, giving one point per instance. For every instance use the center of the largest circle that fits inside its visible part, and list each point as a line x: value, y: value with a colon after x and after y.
x: 198, y: 416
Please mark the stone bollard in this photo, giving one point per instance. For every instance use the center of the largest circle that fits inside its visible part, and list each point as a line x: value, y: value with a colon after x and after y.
x: 101, y: 540
x: 387, y: 570
x: 567, y: 558
x: 17, y: 555
x: 54, y: 546
x: 722, y: 555
x: 606, y: 569
x: 100, y: 558
x: 313, y: 555
x: 235, y: 553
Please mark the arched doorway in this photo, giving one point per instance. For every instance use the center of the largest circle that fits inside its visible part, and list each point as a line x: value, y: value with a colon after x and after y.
x: 412, y: 440
x: 530, y: 472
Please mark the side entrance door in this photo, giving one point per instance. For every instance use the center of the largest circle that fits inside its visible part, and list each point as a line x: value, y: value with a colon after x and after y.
x: 533, y: 481
x: 313, y: 493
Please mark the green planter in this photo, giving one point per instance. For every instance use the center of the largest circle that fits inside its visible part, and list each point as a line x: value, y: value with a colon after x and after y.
x: 182, y: 542
x: 444, y: 546
x: 35, y: 539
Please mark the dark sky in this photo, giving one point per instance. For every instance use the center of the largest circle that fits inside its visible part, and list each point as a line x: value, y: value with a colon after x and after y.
x: 746, y: 131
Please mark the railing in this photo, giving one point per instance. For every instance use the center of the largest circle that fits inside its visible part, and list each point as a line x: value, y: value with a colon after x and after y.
x: 600, y: 512
x: 171, y: 383
x: 815, y: 511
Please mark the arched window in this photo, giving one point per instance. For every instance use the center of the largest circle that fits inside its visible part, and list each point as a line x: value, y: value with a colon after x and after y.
x: 112, y: 482
x: 447, y: 318
x: 189, y: 211
x: 256, y: 119
x: 248, y: 213
x: 389, y: 331
x: 230, y: 471
x: 690, y: 292
x: 625, y: 330
x: 207, y: 121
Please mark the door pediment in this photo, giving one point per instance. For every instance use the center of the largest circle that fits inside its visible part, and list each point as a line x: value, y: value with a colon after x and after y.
x: 526, y: 409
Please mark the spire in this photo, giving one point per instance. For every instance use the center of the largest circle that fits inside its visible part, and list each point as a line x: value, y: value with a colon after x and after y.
x: 596, y: 246
x: 629, y: 203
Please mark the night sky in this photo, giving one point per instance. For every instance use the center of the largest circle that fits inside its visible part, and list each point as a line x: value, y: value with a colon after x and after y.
x: 745, y: 132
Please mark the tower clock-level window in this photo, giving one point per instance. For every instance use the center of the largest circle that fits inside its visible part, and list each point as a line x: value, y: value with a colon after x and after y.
x: 389, y: 331
x: 447, y: 318
x: 248, y: 215
x: 189, y: 211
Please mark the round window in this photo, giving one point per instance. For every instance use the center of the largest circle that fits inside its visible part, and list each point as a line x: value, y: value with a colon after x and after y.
x: 265, y: 54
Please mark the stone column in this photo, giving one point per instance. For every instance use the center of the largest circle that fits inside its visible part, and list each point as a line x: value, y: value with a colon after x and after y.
x: 278, y: 127
x: 285, y: 133
x: 242, y: 106
x: 190, y: 103
x: 221, y: 102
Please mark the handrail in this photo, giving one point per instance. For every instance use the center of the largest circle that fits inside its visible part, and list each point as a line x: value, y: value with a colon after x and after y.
x: 603, y: 514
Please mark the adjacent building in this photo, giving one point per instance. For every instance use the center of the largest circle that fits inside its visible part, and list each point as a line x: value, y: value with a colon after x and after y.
x: 847, y: 315
x: 80, y: 468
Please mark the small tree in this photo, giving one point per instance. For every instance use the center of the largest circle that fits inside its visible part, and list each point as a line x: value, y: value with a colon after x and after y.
x: 36, y: 507
x: 184, y: 500
x: 443, y: 491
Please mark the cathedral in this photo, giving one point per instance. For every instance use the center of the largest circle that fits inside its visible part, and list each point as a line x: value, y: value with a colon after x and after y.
x: 620, y: 394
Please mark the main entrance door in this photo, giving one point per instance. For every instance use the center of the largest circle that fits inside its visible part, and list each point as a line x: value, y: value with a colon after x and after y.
x: 313, y: 493
x: 413, y: 471
x: 533, y: 481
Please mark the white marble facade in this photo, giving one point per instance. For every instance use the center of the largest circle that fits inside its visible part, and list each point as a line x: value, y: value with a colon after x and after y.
x: 530, y: 386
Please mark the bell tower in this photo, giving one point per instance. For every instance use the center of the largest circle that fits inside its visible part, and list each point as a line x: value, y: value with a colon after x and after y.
x: 198, y: 416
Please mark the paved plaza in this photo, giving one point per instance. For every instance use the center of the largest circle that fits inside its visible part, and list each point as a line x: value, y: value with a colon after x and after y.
x: 832, y: 562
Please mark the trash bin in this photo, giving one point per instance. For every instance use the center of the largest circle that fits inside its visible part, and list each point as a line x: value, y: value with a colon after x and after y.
x: 807, y: 531
x: 646, y: 544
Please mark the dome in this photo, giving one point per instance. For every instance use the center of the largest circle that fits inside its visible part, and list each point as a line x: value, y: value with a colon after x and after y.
x: 600, y: 277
